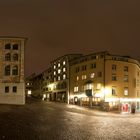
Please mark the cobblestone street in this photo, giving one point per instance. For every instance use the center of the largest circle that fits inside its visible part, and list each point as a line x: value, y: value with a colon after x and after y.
x: 40, y: 120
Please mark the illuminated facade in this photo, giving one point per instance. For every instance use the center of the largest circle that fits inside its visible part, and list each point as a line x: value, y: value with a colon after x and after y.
x: 59, y: 87
x: 12, y: 85
x: 105, y: 80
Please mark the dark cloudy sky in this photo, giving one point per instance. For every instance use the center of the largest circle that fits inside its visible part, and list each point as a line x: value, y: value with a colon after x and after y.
x: 58, y: 27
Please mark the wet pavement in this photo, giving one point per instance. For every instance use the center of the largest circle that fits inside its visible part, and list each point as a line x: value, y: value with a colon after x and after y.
x: 40, y: 120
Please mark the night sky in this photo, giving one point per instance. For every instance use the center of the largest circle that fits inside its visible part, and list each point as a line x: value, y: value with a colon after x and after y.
x: 58, y: 27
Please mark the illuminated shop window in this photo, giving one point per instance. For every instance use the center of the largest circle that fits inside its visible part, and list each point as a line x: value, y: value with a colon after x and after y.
x: 92, y: 75
x: 126, y: 91
x: 84, y: 77
x: 59, y: 70
x: 76, y: 89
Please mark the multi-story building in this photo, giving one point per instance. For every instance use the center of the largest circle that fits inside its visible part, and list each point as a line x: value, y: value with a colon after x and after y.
x: 29, y: 85
x: 47, y: 81
x: 12, y: 84
x: 104, y: 79
x: 60, y: 75
x: 36, y: 83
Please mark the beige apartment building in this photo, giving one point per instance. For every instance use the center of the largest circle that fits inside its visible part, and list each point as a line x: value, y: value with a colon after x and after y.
x: 102, y: 79
x: 12, y: 85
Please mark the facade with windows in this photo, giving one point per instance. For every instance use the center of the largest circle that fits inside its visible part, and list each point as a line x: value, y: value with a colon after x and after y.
x: 58, y: 88
x: 110, y: 81
x: 47, y: 84
x: 12, y: 85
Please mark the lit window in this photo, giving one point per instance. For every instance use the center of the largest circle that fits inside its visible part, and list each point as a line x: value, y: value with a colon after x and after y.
x: 114, y: 77
x: 58, y: 64
x: 6, y: 89
x: 64, y: 76
x: 126, y: 91
x: 54, y: 66
x: 7, y: 70
x: 8, y: 46
x: 84, y: 77
x: 54, y: 72
x: 15, y: 47
x: 14, y: 89
x: 58, y: 78
x: 59, y: 70
x: 125, y: 78
x: 77, y: 78
x: 64, y: 69
x: 76, y: 89
x: 64, y: 62
x: 114, y: 67
x: 88, y: 86
x: 92, y: 75
x: 7, y: 57
x: 15, y: 57
x: 114, y: 93
x: 15, y: 70
x: 126, y: 68
x: 99, y: 86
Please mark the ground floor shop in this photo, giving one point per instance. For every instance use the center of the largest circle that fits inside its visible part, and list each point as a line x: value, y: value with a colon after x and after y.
x: 123, y: 105
x: 55, y: 96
